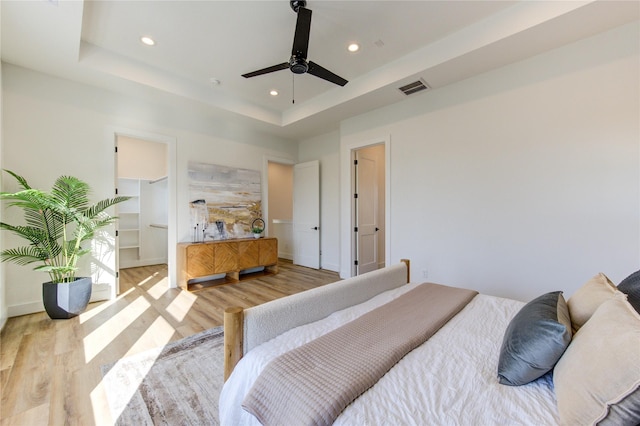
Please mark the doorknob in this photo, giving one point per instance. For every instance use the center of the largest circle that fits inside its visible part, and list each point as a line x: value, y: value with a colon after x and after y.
x: 315, y: 228
x: 377, y: 229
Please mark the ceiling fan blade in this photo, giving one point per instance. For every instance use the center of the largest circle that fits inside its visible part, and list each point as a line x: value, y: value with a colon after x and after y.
x: 301, y: 37
x: 325, y: 74
x: 282, y: 66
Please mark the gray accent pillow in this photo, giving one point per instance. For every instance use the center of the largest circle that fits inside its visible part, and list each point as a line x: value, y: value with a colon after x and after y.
x: 535, y: 340
x: 631, y: 287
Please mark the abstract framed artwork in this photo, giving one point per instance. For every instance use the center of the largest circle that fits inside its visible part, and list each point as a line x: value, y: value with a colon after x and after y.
x: 223, y: 201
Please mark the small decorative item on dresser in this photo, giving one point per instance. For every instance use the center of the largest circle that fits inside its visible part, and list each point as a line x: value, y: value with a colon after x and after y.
x: 257, y: 227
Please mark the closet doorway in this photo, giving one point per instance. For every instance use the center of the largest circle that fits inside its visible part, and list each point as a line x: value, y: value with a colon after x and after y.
x: 291, y: 207
x: 142, y: 174
x: 278, y: 209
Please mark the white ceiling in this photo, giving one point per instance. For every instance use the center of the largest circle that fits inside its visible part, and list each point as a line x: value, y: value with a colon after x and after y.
x: 98, y: 42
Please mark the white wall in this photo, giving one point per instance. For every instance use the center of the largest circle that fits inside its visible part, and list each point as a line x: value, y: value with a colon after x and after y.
x: 53, y: 126
x: 325, y: 149
x: 520, y: 181
x: 3, y: 299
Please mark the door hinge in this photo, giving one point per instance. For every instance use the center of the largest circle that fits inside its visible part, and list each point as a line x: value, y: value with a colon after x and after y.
x: 355, y: 229
x: 116, y: 149
x: 117, y: 274
x: 355, y: 162
x: 116, y: 232
x: 355, y: 195
x: 355, y: 262
x: 116, y: 191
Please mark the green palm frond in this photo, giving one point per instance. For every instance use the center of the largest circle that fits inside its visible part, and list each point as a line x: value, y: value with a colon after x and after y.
x: 61, y: 273
x: 70, y: 192
x: 101, y: 206
x: 23, y: 255
x: 22, y: 181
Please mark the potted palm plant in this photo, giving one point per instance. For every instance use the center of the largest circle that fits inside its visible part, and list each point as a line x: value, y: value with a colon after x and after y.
x: 56, y: 226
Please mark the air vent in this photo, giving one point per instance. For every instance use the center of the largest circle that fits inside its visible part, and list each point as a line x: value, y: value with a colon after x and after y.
x: 415, y: 87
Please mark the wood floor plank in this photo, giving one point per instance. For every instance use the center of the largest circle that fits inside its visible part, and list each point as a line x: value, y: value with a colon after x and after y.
x: 35, y: 416
x: 50, y: 371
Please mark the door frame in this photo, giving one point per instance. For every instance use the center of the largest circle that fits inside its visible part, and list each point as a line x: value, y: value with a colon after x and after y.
x: 347, y: 245
x: 112, y: 134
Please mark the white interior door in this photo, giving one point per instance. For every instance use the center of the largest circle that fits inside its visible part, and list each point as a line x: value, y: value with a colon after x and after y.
x: 306, y: 214
x: 366, y: 212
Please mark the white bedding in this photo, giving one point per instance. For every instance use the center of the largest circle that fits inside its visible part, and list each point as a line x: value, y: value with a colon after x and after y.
x: 449, y: 380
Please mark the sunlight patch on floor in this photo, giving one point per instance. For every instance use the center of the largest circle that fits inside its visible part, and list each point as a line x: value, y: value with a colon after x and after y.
x: 158, y: 334
x: 144, y: 281
x: 102, y: 336
x: 87, y: 315
x: 100, y: 406
x: 158, y: 289
x: 180, y: 306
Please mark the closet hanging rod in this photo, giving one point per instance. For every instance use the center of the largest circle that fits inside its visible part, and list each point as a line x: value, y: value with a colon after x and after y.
x: 158, y: 180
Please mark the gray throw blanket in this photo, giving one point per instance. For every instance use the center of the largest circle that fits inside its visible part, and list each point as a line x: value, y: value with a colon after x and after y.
x: 312, y: 384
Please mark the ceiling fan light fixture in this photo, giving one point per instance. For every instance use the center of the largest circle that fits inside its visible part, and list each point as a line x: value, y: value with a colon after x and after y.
x: 147, y: 40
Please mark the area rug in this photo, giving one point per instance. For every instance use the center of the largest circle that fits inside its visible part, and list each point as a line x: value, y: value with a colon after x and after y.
x: 178, y: 384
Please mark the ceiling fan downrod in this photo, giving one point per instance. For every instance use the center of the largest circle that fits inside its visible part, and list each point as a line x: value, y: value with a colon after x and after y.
x: 295, y: 5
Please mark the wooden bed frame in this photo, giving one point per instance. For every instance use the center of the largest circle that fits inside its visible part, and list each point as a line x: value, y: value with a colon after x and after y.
x: 245, y: 329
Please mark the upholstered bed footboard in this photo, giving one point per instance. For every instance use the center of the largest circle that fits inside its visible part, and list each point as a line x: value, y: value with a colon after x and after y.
x: 248, y: 328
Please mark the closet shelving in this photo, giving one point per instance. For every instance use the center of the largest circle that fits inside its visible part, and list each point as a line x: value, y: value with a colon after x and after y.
x: 129, y: 218
x: 142, y: 222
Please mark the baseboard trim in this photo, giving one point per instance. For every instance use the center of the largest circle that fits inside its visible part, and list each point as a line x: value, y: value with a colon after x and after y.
x: 99, y: 292
x: 142, y: 262
x: 330, y: 267
x: 25, y: 309
x: 288, y: 256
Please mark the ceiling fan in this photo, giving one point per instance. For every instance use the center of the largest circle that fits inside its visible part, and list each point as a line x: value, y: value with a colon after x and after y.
x: 298, y: 63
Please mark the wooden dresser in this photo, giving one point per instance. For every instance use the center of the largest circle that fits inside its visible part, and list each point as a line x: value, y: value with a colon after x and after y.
x: 200, y: 260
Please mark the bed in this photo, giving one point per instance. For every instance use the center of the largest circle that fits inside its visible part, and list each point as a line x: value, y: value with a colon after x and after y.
x: 454, y: 376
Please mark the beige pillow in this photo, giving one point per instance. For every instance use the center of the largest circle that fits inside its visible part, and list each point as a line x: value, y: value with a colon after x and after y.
x: 587, y: 298
x: 598, y: 377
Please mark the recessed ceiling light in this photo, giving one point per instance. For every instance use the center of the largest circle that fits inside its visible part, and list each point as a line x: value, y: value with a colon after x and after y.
x: 147, y: 40
x: 353, y: 47
x: 273, y: 93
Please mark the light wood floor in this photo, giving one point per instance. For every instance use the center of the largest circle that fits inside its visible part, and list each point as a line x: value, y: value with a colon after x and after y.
x: 50, y: 370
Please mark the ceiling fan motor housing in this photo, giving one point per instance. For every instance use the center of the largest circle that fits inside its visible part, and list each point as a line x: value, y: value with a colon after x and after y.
x: 298, y: 65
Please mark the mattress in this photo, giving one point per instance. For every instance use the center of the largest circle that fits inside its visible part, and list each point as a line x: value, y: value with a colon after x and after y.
x: 449, y: 380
